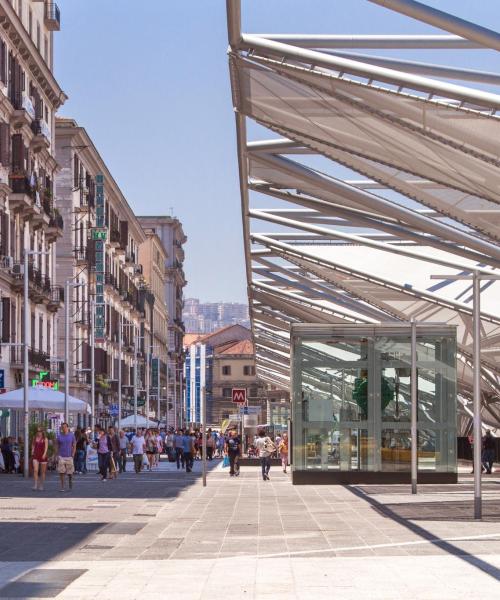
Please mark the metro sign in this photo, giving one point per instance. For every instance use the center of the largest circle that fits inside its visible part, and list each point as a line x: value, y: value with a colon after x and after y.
x: 239, y: 395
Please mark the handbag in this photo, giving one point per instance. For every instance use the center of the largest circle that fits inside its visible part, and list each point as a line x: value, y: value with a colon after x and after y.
x: 225, y: 462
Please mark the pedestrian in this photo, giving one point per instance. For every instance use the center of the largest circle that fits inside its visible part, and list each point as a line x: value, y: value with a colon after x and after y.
x: 233, y: 450
x: 210, y: 444
x: 159, y: 448
x: 81, y: 446
x: 8, y: 455
x: 124, y: 444
x: 39, y: 452
x: 169, y: 444
x: 115, y: 450
x: 188, y: 450
x: 138, y: 446
x: 489, y: 447
x: 266, y: 448
x: 178, y: 448
x: 221, y: 442
x: 65, y: 451
x: 104, y: 450
x: 283, y: 451
x: 151, y: 448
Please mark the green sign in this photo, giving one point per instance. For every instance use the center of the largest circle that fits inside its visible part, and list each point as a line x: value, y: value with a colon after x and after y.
x: 98, y: 234
x: 43, y: 381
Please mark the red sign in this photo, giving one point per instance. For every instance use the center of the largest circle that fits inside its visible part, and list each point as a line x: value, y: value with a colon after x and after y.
x: 239, y: 395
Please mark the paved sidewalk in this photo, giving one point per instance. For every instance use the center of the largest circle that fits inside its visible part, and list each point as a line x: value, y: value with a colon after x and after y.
x: 162, y: 535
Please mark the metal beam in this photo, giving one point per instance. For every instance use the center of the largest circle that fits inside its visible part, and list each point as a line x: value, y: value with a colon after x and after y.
x: 437, y: 18
x: 371, y: 72
x: 393, y: 42
x: 233, y: 12
x: 428, y: 69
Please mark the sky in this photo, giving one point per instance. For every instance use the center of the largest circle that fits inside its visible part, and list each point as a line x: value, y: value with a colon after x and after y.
x: 149, y: 81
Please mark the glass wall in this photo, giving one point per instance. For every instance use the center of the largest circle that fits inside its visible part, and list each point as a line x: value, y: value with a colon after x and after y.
x: 352, y: 398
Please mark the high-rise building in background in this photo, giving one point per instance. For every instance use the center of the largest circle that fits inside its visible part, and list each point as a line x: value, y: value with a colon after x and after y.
x: 206, y: 317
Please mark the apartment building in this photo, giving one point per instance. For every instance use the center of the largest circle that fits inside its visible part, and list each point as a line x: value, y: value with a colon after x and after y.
x: 29, y: 217
x: 153, y: 257
x: 170, y: 232
x: 219, y: 362
x: 99, y: 256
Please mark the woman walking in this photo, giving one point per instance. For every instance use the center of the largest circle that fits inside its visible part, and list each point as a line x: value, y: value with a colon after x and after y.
x: 39, y: 451
x: 151, y: 448
x: 283, y: 451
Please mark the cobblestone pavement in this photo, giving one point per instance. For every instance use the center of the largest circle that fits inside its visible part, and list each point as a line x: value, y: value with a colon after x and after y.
x: 161, y: 535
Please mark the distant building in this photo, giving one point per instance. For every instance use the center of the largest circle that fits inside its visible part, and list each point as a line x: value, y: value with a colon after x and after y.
x: 169, y: 231
x: 207, y: 317
x: 219, y: 362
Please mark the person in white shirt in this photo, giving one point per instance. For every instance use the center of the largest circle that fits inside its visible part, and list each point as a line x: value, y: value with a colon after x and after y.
x: 138, y: 445
x: 266, y: 448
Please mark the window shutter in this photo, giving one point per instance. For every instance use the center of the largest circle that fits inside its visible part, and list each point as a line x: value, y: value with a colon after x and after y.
x: 76, y: 171
x: 3, y: 62
x: 5, y: 320
x: 5, y: 144
x: 17, y: 153
x: 4, y: 238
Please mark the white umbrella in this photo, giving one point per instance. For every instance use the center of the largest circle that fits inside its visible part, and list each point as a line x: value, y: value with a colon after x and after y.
x: 42, y: 398
x: 141, y: 422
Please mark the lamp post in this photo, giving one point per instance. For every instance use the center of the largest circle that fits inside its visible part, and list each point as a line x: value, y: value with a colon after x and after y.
x: 27, y: 339
x: 92, y: 364
x: 68, y: 285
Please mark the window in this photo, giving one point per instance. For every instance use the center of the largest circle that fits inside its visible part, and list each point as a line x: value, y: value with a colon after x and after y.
x: 227, y: 392
x: 30, y: 23
x: 38, y: 35
x: 253, y: 393
x: 46, y: 49
x: 248, y: 370
x: 226, y: 370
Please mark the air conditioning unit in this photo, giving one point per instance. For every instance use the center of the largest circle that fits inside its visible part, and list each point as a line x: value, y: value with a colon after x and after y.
x: 17, y: 269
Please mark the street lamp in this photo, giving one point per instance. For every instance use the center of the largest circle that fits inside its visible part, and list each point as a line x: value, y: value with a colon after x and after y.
x: 27, y: 337
x: 67, y: 285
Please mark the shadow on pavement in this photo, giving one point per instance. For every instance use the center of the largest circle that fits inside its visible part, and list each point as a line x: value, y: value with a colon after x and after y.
x: 32, y: 541
x: 450, y: 548
x: 163, y: 484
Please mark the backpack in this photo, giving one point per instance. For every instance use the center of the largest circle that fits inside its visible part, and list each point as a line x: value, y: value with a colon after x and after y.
x: 269, y: 445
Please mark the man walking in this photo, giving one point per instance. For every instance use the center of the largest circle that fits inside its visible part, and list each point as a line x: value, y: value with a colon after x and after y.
x: 66, y: 448
x: 104, y: 449
x: 233, y: 449
x: 488, y: 452
x: 178, y: 448
x: 266, y: 448
x: 138, y: 446
x: 122, y: 462
x: 188, y: 450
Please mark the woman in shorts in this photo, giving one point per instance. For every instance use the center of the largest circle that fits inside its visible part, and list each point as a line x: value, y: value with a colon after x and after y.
x: 151, y: 448
x: 39, y: 451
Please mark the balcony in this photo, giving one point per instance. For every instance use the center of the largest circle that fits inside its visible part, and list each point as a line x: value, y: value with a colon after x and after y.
x: 24, y: 111
x: 22, y: 198
x: 80, y: 253
x: 56, y: 298
x: 52, y: 17
x: 56, y: 226
x: 114, y: 238
x: 41, y: 138
x: 37, y: 359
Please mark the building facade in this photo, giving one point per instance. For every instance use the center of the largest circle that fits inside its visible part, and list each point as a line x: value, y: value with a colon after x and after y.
x: 207, y: 317
x: 29, y: 218
x: 152, y: 257
x: 99, y: 256
x: 169, y: 230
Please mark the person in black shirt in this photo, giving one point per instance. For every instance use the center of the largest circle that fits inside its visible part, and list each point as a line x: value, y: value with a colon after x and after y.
x: 488, y: 451
x: 233, y: 449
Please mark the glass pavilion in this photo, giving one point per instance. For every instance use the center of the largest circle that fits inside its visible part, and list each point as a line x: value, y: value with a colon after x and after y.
x: 351, y: 406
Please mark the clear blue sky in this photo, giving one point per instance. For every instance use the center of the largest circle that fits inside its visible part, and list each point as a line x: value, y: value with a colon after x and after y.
x: 148, y: 79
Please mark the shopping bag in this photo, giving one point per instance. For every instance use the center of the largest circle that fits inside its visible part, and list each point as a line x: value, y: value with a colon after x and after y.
x: 225, y: 462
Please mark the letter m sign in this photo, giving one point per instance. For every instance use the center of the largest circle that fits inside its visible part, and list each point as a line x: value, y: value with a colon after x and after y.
x: 239, y: 395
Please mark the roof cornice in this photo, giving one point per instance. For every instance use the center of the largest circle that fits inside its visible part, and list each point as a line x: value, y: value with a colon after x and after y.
x: 28, y: 51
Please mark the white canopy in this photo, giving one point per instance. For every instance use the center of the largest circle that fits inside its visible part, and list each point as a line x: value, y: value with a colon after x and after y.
x: 42, y: 398
x: 141, y: 422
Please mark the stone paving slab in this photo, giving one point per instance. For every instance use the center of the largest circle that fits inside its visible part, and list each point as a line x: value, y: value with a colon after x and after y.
x: 162, y: 535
